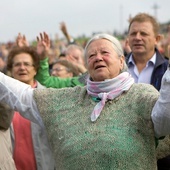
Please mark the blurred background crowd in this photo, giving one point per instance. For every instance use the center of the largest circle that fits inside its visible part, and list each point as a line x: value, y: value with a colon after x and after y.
x: 59, y: 45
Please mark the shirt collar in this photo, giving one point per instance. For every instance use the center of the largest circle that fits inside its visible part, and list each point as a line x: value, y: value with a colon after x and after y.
x: 152, y: 60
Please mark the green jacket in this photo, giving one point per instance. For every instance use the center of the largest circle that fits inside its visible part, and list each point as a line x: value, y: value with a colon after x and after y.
x: 45, y: 79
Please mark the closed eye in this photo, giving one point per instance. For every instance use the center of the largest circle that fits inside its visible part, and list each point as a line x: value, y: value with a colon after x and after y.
x: 105, y: 52
x: 91, y: 55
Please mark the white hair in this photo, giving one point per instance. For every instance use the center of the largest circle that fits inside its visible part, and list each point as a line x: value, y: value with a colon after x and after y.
x: 115, y: 42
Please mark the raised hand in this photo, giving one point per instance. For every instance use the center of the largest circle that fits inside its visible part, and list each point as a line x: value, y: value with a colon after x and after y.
x: 64, y: 30
x: 81, y: 68
x: 21, y: 40
x: 43, y: 45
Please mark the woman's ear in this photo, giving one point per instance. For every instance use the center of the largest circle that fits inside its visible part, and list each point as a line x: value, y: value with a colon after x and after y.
x: 122, y: 61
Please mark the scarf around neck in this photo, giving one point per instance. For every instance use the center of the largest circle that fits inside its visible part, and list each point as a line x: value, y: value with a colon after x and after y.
x: 108, y: 90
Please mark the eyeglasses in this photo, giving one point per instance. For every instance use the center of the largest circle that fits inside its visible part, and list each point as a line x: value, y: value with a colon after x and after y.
x: 27, y: 65
x: 58, y: 69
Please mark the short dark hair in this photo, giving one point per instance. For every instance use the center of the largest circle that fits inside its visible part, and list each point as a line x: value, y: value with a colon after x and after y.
x: 18, y: 50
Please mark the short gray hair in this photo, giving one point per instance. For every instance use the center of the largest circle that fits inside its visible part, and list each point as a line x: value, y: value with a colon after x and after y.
x: 115, y: 42
x: 74, y: 46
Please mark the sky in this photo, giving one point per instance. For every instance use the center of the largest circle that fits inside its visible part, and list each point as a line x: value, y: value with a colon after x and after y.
x: 82, y: 17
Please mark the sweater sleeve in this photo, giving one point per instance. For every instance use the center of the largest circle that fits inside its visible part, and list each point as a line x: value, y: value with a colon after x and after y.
x: 45, y: 79
x: 161, y: 110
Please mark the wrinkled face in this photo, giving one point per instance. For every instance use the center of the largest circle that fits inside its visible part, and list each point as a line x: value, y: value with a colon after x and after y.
x: 23, y: 68
x: 60, y: 70
x: 102, y: 60
x: 142, y: 39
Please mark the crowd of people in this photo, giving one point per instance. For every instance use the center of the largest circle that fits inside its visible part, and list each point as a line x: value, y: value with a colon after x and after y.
x: 103, y: 104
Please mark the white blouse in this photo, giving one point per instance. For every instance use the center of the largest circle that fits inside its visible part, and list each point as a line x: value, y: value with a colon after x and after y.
x: 20, y: 97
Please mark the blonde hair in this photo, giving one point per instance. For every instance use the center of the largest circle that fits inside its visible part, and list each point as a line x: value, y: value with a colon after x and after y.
x: 144, y: 17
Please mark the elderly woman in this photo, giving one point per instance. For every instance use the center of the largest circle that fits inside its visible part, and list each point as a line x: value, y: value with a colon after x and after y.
x: 105, y: 125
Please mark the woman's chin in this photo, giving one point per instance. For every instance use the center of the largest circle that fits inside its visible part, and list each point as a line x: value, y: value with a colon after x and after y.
x: 100, y: 78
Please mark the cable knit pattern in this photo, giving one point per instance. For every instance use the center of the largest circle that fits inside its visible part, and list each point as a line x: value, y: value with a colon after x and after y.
x: 122, y: 138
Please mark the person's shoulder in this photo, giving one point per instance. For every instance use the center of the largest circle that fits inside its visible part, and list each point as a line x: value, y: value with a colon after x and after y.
x: 56, y: 95
x: 60, y: 91
x: 40, y: 86
x: 161, y: 57
x: 71, y: 89
x: 144, y: 92
x: 145, y: 88
x: 127, y: 56
x: 166, y: 58
x: 74, y: 91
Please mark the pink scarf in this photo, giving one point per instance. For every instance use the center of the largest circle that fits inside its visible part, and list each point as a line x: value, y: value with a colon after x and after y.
x: 108, y: 90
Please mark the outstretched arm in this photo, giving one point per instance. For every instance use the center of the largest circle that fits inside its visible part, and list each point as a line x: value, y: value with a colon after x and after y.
x: 19, y: 96
x: 161, y: 111
x: 64, y: 30
x: 45, y: 79
x: 43, y: 45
